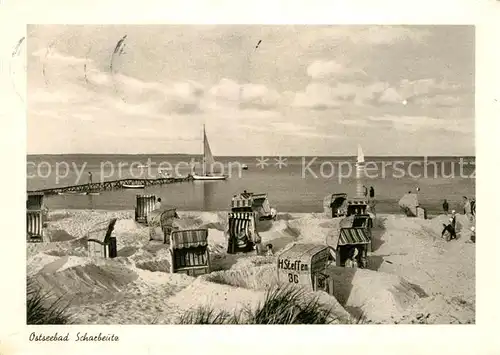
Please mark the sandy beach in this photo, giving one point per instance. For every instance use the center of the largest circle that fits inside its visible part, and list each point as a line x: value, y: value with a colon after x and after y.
x: 413, y: 275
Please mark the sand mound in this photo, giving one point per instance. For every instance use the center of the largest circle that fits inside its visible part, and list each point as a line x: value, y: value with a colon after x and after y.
x: 263, y: 278
x: 257, y: 278
x: 87, y: 283
x: 142, y: 302
x: 217, y: 296
x: 135, y: 287
x: 38, y: 261
x: 311, y: 229
x: 435, y: 225
x: 162, y: 265
x: 126, y: 226
x: 379, y: 297
x: 59, y: 235
x: 438, y: 309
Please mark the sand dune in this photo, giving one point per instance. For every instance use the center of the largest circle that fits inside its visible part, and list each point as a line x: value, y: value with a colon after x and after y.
x: 414, y: 276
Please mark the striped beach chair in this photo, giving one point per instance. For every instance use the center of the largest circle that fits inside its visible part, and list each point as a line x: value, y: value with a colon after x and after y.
x: 189, y: 252
x: 36, y: 216
x: 34, y: 225
x: 103, y: 246
x: 143, y: 206
x: 349, y: 238
x: 242, y: 233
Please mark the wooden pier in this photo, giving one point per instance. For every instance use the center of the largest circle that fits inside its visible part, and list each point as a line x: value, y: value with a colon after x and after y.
x: 108, y: 185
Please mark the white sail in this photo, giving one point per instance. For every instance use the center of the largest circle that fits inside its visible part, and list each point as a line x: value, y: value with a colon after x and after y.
x: 208, y: 158
x: 208, y: 163
x: 361, y: 156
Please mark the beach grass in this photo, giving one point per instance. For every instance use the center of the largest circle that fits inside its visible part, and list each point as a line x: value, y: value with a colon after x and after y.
x: 42, y: 308
x: 282, y: 305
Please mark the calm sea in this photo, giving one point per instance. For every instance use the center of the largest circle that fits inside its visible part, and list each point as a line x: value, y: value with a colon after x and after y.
x: 299, y: 184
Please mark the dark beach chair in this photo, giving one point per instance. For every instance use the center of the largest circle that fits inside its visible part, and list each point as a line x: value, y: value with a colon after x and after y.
x: 105, y: 247
x: 189, y: 252
x: 237, y: 222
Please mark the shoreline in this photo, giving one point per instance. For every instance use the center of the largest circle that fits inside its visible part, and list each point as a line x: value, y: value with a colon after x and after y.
x: 195, y: 212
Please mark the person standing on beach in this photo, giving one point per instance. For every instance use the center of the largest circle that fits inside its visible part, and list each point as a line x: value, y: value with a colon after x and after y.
x: 365, y: 191
x: 445, y: 206
x: 90, y: 178
x: 372, y: 192
x: 158, y: 204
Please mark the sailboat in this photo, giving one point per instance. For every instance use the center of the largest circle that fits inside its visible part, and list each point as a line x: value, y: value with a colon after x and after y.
x: 208, y: 161
x: 360, y: 162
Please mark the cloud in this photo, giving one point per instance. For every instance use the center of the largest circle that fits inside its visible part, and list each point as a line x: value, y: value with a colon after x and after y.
x: 417, y: 123
x: 229, y: 92
x: 290, y: 129
x: 330, y: 69
x: 384, y: 35
x: 390, y: 95
x: 69, y: 84
x: 51, y: 54
x: 345, y: 82
x: 321, y: 96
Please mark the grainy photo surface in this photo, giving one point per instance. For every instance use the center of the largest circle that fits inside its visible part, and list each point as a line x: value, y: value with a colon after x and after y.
x: 245, y: 174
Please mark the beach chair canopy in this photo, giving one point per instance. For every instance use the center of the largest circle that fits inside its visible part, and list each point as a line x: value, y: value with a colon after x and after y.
x: 353, y: 236
x: 357, y: 206
x: 242, y: 202
x: 34, y: 201
x: 191, y: 238
x: 337, y: 199
x: 357, y: 202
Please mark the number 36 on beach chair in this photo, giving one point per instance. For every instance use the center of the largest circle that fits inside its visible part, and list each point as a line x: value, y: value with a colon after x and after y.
x: 305, y: 265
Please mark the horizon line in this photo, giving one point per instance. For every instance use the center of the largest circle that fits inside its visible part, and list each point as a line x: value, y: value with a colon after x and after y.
x: 249, y: 156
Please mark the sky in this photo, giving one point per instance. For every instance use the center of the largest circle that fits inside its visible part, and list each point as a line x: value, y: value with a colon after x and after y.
x: 259, y: 90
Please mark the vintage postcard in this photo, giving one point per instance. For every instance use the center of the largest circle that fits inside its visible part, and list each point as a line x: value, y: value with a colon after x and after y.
x: 247, y: 174
x: 209, y: 163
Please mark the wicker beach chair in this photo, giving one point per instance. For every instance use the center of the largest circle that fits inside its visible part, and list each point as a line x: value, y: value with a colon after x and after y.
x: 105, y: 246
x: 189, y: 252
x: 36, y: 216
x: 34, y: 225
x: 162, y: 218
x: 242, y: 233
x: 144, y: 205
